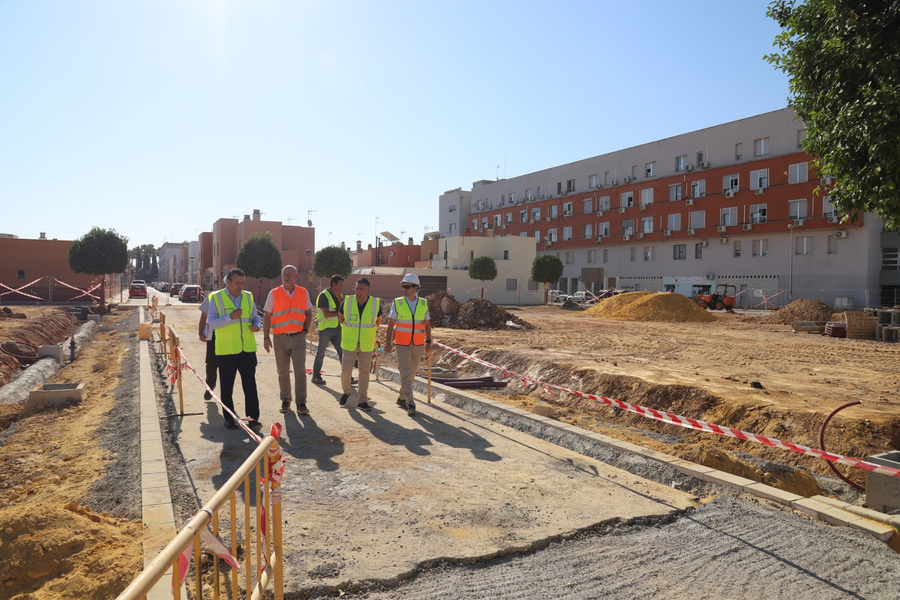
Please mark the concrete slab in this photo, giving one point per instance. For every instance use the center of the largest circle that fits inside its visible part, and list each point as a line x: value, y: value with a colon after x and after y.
x: 368, y: 496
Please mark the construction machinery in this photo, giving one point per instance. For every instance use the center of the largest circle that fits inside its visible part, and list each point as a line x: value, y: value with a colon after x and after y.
x: 723, y: 298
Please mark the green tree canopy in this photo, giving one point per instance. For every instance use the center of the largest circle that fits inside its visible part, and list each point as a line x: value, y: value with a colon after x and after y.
x: 259, y: 257
x: 546, y: 268
x: 843, y: 60
x: 483, y: 268
x: 99, y: 252
x: 332, y: 260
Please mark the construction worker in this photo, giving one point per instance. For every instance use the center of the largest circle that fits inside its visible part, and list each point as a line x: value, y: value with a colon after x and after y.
x: 209, y: 338
x: 327, y: 304
x: 360, y: 317
x: 288, y: 314
x: 409, y: 330
x: 232, y: 317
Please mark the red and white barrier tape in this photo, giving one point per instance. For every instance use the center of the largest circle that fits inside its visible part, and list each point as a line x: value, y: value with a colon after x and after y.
x: 19, y: 290
x: 688, y: 423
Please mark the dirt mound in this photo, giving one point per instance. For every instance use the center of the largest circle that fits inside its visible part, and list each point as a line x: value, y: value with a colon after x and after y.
x: 474, y: 314
x: 646, y: 306
x: 35, y: 330
x: 434, y: 307
x: 799, y: 310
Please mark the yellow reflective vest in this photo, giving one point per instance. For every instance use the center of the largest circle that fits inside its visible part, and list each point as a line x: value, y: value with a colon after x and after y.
x: 409, y: 329
x: 235, y: 337
x: 360, y: 329
x: 325, y: 322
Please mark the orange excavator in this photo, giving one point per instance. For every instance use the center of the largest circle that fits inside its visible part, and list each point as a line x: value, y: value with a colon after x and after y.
x: 723, y: 298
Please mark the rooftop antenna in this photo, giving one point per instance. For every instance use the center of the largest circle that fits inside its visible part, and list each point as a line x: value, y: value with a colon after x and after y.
x: 309, y: 217
x: 498, y: 172
x: 289, y: 219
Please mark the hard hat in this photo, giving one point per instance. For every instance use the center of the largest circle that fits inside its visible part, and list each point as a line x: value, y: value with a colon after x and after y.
x: 411, y: 278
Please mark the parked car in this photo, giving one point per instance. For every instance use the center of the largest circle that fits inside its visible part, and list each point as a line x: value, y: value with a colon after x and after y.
x: 175, y: 288
x: 137, y: 290
x: 582, y: 297
x: 191, y: 293
x: 141, y: 281
x: 556, y: 296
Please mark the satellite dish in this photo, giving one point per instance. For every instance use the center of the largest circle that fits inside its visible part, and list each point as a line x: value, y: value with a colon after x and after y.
x: 390, y: 236
x: 309, y: 222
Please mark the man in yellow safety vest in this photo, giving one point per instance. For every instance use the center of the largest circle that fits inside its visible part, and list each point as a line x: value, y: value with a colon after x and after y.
x: 288, y: 315
x: 327, y: 303
x: 360, y: 316
x: 232, y: 316
x: 409, y: 330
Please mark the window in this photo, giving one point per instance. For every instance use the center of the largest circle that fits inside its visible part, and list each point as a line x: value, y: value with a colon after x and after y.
x: 512, y: 197
x: 698, y: 188
x: 20, y: 274
x: 603, y: 229
x: 698, y: 219
x: 679, y: 251
x: 627, y: 226
x: 738, y: 151
x: 523, y: 234
x: 538, y: 192
x: 797, y: 209
x: 570, y: 185
x: 758, y: 213
x: 737, y: 248
x: 627, y: 199
x: 606, y: 255
x: 650, y: 169
x: 603, y: 203
x: 759, y: 179
x: 559, y: 188
x: 551, y: 235
x: 502, y: 199
x: 700, y: 157
x: 570, y: 257
x: 648, y: 253
x: 633, y: 252
x: 511, y: 285
x: 497, y: 219
x: 588, y: 207
x: 698, y: 250
x: 591, y: 257
x: 452, y: 227
x: 592, y: 181
x: 801, y: 135
x: 532, y: 286
x: 760, y: 247
x: 588, y: 231
x: 484, y: 222
x: 798, y: 173
x: 646, y: 196
x: 633, y: 172
x: 606, y: 178
x: 761, y: 146
x: 537, y: 235
x: 675, y: 192
x: 554, y: 211
x: 523, y: 216
x: 567, y: 209
x: 803, y: 244
x: 475, y: 224
x: 832, y: 245
x: 508, y: 218
x: 452, y: 208
x: 828, y: 208
x: 529, y: 195
x: 728, y: 216
x: 536, y: 213
x: 647, y: 224
x: 567, y: 233
x: 675, y: 222
x: 731, y: 182
x: 680, y: 162
x: 506, y: 255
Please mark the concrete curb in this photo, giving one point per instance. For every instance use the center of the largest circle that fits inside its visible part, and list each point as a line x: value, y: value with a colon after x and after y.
x: 825, y: 509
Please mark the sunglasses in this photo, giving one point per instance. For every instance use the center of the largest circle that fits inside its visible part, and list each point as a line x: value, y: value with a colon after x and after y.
x: 406, y: 286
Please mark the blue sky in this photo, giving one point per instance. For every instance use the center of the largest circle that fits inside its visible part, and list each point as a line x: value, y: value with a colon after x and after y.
x: 156, y: 118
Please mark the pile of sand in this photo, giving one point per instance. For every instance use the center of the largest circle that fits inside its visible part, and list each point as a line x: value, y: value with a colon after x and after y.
x: 474, y: 314
x: 799, y: 310
x: 647, y: 306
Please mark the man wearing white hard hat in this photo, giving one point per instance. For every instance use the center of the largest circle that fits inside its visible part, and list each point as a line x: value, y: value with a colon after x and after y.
x: 409, y: 330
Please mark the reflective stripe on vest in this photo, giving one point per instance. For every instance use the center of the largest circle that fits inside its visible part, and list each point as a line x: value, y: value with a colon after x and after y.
x: 326, y: 322
x: 409, y: 329
x: 235, y: 337
x: 288, y: 312
x: 359, y: 329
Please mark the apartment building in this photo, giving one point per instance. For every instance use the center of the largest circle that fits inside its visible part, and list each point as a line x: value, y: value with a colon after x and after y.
x: 737, y: 203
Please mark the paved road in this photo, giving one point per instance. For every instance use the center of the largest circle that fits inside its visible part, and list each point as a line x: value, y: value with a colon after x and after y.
x: 469, y: 508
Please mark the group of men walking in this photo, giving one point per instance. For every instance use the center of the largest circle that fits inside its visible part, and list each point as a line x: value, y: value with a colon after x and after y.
x: 229, y: 321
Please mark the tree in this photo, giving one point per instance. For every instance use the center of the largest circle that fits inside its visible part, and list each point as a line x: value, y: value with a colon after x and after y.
x: 844, y: 66
x: 259, y: 257
x: 332, y: 260
x: 99, y: 252
x: 546, y: 269
x: 483, y: 268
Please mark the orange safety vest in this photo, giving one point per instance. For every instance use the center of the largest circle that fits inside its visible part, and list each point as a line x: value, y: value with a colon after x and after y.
x: 409, y: 328
x: 288, y: 312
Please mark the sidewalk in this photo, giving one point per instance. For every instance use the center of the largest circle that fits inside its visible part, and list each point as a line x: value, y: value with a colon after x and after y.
x: 369, y: 496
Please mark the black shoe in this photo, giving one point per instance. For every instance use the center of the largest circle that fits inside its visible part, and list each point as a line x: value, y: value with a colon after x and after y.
x: 410, y: 409
x: 401, y: 402
x: 230, y: 424
x: 318, y: 380
x: 255, y: 424
x: 285, y: 407
x: 301, y: 409
x: 343, y: 400
x: 364, y: 406
x: 207, y: 395
x: 354, y: 381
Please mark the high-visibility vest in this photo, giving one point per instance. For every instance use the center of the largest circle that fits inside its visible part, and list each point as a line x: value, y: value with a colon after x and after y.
x: 326, y: 322
x: 235, y: 337
x: 359, y: 329
x: 409, y: 329
x: 288, y: 312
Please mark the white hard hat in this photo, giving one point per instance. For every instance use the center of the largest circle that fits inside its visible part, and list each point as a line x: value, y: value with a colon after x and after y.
x: 411, y: 278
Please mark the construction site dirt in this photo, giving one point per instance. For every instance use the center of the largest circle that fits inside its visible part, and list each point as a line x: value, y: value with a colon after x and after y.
x: 732, y: 369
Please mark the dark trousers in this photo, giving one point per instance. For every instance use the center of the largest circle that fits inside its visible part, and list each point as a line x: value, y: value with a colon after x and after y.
x: 245, y: 364
x: 211, y: 364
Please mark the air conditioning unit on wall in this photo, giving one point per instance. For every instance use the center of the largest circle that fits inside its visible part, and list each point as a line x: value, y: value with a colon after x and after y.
x: 689, y: 168
x: 722, y: 228
x: 834, y: 219
x: 748, y: 227
x: 688, y: 202
x: 723, y: 240
x: 729, y: 193
x: 840, y: 233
